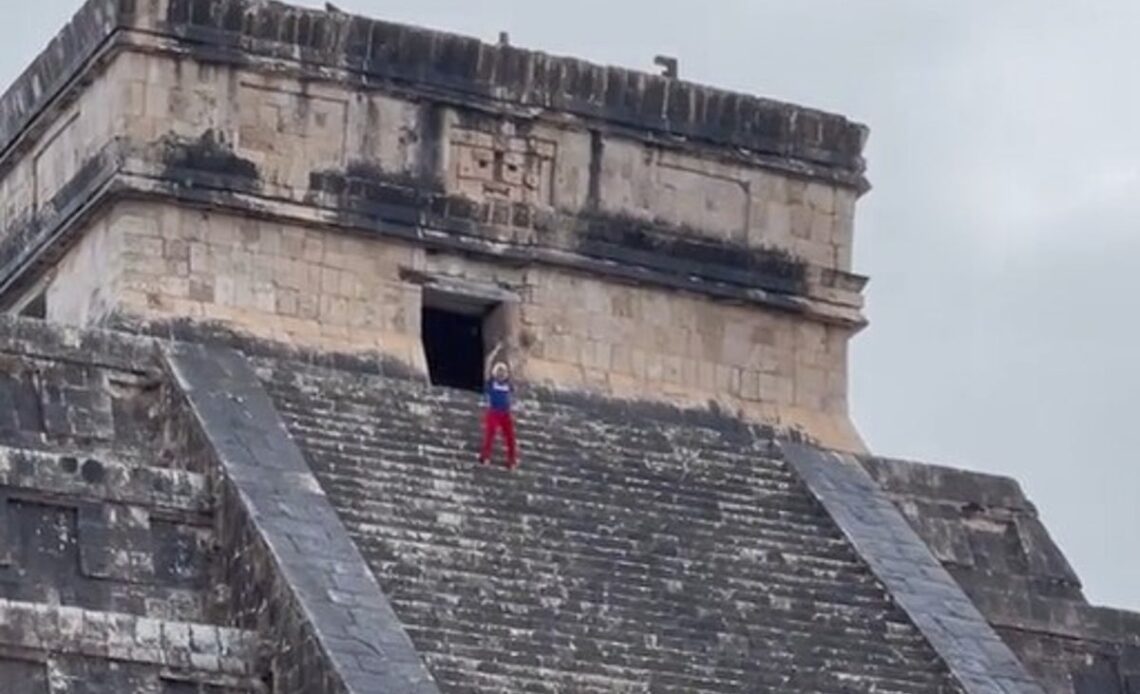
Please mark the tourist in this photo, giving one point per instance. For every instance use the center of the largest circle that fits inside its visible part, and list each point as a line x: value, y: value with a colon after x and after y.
x: 498, y: 415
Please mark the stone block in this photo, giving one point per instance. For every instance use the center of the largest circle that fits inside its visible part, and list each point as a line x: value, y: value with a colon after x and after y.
x: 821, y: 197
x: 75, y: 402
x: 24, y: 676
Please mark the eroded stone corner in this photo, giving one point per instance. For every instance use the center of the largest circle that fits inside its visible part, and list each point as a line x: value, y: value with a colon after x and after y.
x: 915, y: 579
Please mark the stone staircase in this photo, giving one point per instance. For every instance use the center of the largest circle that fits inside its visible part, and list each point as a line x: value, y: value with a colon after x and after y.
x: 638, y: 549
x: 107, y: 573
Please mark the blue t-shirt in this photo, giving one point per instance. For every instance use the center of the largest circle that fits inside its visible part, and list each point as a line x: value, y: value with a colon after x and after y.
x: 499, y: 395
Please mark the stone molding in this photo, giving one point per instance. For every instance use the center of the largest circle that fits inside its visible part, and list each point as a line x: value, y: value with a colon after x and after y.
x: 101, y: 479
x: 126, y: 637
x: 36, y: 244
x: 445, y: 66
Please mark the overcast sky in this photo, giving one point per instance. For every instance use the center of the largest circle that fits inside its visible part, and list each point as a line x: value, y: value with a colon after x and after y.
x: 1001, y: 236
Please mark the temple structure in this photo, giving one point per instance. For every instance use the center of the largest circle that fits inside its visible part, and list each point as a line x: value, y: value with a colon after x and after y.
x: 253, y: 258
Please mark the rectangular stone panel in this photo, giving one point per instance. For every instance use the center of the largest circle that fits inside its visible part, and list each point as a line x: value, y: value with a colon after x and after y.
x: 283, y: 127
x: 23, y: 677
x: 19, y: 402
x: 115, y: 542
x: 489, y: 167
x: 698, y: 199
x: 43, y: 544
x: 57, y: 159
x: 76, y: 402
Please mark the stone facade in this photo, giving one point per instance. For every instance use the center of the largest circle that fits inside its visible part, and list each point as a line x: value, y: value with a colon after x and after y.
x: 339, y: 292
x: 710, y: 245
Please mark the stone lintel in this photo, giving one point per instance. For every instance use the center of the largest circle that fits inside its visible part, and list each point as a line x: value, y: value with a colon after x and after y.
x: 446, y: 286
x: 975, y: 654
x: 314, y: 569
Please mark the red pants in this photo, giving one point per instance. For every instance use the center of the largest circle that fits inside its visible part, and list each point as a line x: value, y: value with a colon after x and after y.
x: 493, y: 421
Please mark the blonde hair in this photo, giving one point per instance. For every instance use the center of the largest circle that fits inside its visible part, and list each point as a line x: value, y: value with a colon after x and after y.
x: 500, y: 370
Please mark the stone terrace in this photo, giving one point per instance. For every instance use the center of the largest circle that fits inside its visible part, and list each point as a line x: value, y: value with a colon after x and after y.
x: 988, y: 535
x: 637, y: 549
x: 107, y: 539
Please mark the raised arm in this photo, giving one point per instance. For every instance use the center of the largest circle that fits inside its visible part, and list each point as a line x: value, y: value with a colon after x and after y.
x: 491, y: 361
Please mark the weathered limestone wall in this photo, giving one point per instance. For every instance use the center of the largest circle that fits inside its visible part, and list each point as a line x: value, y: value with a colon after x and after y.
x: 276, y: 281
x: 667, y: 240
x: 75, y: 134
x: 336, y: 292
x: 85, y: 285
x: 306, y: 142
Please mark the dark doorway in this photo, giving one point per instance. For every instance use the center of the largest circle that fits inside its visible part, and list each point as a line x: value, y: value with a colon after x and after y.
x: 453, y: 344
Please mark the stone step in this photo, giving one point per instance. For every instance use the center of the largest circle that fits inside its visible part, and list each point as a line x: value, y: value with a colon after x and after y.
x: 491, y: 669
x: 374, y: 399
x: 178, y: 650
x: 534, y: 427
x: 730, y: 482
x: 632, y: 435
x: 623, y: 625
x: 537, y: 511
x: 507, y: 496
x: 792, y: 557
x: 720, y: 478
x: 638, y: 580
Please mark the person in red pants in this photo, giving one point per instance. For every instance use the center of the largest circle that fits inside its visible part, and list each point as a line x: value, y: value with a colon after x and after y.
x: 498, y: 415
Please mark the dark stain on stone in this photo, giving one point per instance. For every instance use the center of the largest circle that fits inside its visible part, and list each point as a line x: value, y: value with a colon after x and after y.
x: 362, y: 193
x: 93, y: 471
x: 209, y: 160
x: 473, y: 119
x: 597, y: 151
x: 69, y: 464
x: 363, y: 188
x: 610, y: 408
x: 26, y: 234
x: 683, y: 250
x: 432, y: 122
x: 160, y: 484
x: 84, y: 180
